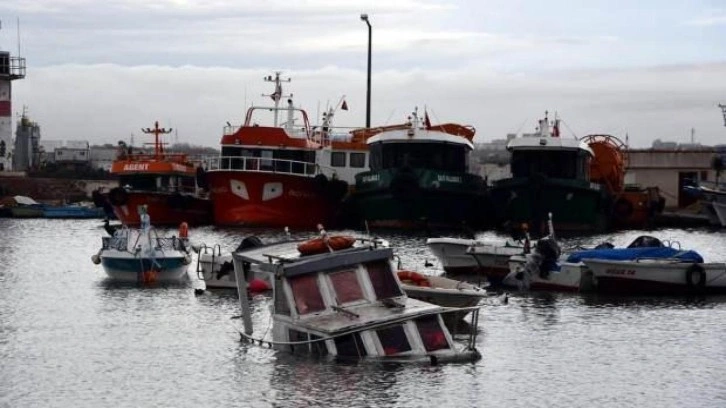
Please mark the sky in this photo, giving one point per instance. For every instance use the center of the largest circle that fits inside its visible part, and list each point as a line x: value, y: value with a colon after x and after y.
x: 100, y: 71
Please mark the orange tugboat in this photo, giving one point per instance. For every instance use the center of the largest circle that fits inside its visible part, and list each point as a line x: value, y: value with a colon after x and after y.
x: 633, y: 206
x: 166, y: 183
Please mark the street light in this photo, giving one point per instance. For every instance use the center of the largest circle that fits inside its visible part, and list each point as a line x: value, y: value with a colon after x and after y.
x: 364, y: 17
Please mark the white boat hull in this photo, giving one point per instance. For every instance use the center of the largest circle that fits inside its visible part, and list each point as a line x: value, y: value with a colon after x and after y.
x: 572, y: 277
x: 451, y: 253
x: 656, y: 277
x: 217, y: 271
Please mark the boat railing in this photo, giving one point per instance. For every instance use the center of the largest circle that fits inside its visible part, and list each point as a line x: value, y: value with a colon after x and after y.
x: 216, y: 252
x: 119, y: 243
x: 265, y: 165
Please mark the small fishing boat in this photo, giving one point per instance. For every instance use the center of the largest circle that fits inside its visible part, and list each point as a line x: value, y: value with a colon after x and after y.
x: 73, y: 211
x: 215, y: 267
x: 141, y: 255
x: 349, y: 304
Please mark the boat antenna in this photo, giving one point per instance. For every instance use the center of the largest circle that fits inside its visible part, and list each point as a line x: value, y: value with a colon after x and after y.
x: 157, y: 131
x: 550, y: 226
x: 723, y: 111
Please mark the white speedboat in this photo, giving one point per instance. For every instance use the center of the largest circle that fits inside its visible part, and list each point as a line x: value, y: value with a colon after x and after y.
x: 142, y: 255
x: 467, y: 256
x: 664, y: 270
x: 349, y: 304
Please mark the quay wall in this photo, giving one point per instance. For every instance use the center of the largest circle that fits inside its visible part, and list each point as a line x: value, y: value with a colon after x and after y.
x: 49, y: 190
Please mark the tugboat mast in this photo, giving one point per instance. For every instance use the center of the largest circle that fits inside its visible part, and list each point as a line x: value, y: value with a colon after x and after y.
x: 158, y: 145
x: 277, y: 95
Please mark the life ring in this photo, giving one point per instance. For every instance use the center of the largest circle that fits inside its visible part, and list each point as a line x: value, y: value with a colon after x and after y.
x: 118, y: 196
x: 183, y: 230
x: 696, y: 276
x: 413, y: 277
x: 623, y: 208
x: 319, y: 245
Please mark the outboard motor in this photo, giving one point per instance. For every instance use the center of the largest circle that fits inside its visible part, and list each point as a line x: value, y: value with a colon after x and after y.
x: 550, y: 251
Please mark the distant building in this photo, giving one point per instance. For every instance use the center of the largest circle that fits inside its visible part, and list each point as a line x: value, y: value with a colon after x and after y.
x: 26, y: 155
x: 103, y: 157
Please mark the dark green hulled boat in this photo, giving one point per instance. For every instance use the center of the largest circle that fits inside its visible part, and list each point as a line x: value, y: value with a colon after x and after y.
x: 419, y: 177
x: 550, y: 175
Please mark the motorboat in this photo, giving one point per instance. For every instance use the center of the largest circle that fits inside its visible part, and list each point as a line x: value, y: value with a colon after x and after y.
x: 143, y: 255
x: 349, y: 304
x: 663, y: 270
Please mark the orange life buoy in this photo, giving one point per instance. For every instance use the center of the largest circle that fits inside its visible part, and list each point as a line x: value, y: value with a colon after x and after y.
x: 414, y: 277
x: 319, y: 246
x: 183, y: 230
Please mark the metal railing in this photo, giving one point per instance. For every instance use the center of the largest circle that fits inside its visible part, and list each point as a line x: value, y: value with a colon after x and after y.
x: 263, y: 165
x: 14, y: 67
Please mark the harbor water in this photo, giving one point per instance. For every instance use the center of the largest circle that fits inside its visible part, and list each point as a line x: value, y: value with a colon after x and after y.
x: 70, y: 338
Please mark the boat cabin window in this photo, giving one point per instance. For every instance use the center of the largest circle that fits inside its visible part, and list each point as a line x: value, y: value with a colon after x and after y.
x: 283, y: 160
x: 358, y: 160
x: 393, y: 340
x: 382, y: 280
x: 281, y: 305
x: 306, y: 293
x: 434, y: 156
x: 350, y: 346
x: 337, y: 159
x: 567, y: 164
x: 346, y: 286
x: 315, y: 348
x: 432, y: 335
x: 146, y: 182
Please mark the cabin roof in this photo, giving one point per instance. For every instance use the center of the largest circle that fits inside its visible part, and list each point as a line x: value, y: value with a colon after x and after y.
x: 284, y: 259
x: 420, y: 135
x: 375, y: 314
x: 547, y: 143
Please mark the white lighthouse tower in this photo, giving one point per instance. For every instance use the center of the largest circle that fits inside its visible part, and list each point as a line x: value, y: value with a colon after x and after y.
x: 11, y: 68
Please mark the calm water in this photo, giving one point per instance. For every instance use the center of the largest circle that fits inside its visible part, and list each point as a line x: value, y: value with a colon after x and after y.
x: 69, y: 338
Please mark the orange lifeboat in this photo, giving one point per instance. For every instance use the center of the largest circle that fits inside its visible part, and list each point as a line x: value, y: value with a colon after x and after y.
x: 632, y: 206
x: 325, y: 244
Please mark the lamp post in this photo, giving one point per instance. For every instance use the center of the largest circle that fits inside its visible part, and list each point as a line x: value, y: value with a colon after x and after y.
x: 364, y: 17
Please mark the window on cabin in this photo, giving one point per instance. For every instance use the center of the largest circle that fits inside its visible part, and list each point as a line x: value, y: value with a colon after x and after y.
x: 281, y: 305
x: 307, y: 345
x: 346, y: 286
x: 358, y: 160
x: 384, y: 284
x: 393, y: 339
x: 350, y: 346
x: 337, y: 159
x: 307, y: 295
x: 266, y: 162
x: 432, y: 335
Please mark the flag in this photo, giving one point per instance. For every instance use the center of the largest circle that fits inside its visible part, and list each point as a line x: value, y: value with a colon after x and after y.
x: 344, y: 106
x: 278, y: 92
x: 556, y: 129
x: 427, y: 121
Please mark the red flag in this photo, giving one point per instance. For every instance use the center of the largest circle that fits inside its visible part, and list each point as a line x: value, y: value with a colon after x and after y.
x: 427, y: 121
x: 344, y: 106
x: 556, y: 129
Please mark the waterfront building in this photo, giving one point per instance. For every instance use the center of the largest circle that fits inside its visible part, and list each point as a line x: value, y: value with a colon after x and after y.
x: 11, y: 69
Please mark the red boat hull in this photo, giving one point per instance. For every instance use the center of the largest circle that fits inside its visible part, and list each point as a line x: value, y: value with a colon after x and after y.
x: 271, y: 200
x: 165, y: 209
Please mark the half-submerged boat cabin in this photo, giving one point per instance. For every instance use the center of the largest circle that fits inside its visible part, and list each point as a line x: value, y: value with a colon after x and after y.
x: 349, y: 304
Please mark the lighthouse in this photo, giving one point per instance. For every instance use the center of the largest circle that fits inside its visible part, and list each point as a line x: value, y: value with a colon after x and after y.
x: 11, y: 68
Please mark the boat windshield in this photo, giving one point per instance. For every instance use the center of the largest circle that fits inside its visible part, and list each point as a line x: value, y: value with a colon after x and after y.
x: 435, y: 156
x: 282, y: 160
x: 566, y: 164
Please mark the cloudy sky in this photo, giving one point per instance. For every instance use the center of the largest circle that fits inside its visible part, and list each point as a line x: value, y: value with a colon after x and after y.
x: 99, y: 71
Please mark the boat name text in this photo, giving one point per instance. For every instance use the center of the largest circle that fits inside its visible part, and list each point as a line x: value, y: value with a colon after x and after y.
x: 449, y: 179
x: 371, y: 178
x: 619, y: 272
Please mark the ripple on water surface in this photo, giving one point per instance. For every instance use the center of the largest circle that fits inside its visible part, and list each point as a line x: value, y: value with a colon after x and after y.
x: 69, y: 337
